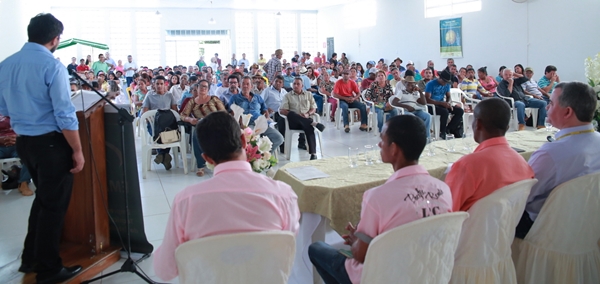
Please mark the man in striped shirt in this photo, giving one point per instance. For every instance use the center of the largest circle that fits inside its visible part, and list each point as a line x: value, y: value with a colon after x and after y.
x: 471, y: 86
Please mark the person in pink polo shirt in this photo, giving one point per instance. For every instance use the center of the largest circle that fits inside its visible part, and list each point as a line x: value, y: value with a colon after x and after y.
x: 408, y: 195
x: 234, y: 200
x: 493, y: 165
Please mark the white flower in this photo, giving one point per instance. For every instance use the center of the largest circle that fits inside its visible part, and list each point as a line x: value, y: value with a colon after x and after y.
x: 264, y: 144
x: 246, y: 119
x: 597, y: 88
x: 256, y: 165
x: 267, y: 155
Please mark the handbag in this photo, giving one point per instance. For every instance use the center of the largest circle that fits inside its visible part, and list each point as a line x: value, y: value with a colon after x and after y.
x: 168, y: 136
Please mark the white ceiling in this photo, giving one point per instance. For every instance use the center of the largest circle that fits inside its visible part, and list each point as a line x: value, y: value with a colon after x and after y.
x: 206, y: 4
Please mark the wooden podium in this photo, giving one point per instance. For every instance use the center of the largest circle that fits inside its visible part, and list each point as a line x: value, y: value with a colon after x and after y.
x: 86, y: 236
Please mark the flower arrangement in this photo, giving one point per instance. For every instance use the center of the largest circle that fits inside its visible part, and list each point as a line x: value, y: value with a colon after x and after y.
x: 592, y: 72
x: 257, y: 148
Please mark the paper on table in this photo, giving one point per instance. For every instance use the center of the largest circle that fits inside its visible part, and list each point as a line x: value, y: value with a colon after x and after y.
x: 306, y: 173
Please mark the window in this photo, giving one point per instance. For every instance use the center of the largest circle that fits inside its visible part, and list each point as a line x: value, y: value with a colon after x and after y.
x: 148, y: 38
x: 288, y: 35
x: 439, y: 8
x: 267, y: 39
x: 244, y: 35
x: 121, y: 43
x: 308, y: 30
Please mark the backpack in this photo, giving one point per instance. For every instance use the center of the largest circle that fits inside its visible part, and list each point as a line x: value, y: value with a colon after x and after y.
x: 10, y: 178
x: 164, y: 120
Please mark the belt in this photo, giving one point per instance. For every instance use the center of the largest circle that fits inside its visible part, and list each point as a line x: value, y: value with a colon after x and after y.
x: 49, y: 134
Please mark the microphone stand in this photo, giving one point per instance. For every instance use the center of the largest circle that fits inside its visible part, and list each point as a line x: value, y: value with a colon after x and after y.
x: 124, y: 116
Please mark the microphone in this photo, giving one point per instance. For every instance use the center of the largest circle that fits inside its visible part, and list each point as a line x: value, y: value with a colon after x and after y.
x: 550, y: 139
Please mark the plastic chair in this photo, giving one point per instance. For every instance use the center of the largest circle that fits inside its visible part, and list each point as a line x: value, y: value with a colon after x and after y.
x: 148, y: 143
x: 514, y: 122
x: 563, y: 245
x: 289, y: 135
x: 483, y: 254
x: 372, y: 115
x: 338, y: 115
x: 418, y: 252
x: 256, y: 257
x: 327, y: 107
x: 457, y: 95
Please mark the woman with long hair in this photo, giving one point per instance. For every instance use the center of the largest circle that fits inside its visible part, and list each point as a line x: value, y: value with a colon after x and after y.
x: 379, y: 93
x: 488, y: 82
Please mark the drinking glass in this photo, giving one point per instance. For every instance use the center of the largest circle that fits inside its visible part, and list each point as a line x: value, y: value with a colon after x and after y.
x: 467, y: 140
x: 548, y: 124
x: 430, y: 148
x: 377, y: 154
x: 353, y: 157
x: 368, y: 154
x: 450, y: 142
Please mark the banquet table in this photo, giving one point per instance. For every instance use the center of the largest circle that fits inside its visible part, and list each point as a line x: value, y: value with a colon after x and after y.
x: 331, y: 202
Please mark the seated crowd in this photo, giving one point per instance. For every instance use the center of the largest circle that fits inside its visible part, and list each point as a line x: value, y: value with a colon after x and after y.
x: 294, y: 91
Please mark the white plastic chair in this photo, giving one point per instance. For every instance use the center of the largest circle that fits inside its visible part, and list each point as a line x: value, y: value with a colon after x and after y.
x: 372, y: 115
x: 148, y: 143
x: 514, y: 122
x: 418, y: 252
x: 457, y: 95
x: 256, y: 257
x: 327, y: 107
x: 563, y: 245
x: 289, y: 135
x: 339, y: 123
x: 483, y: 254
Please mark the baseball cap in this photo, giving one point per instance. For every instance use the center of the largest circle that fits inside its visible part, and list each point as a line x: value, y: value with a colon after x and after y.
x: 373, y: 70
x: 410, y: 63
x: 528, y: 69
x: 371, y: 62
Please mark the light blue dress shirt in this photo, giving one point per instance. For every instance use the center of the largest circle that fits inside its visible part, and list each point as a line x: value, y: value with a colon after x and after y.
x: 273, y: 98
x: 560, y: 161
x: 256, y: 106
x: 35, y: 92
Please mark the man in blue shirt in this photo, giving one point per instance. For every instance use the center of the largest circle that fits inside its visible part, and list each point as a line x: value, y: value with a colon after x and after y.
x: 437, y: 93
x: 254, y: 105
x: 288, y: 79
x: 37, y: 98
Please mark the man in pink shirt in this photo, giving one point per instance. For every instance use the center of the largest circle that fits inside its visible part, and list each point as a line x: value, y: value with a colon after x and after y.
x: 234, y: 200
x: 408, y: 195
x: 493, y: 165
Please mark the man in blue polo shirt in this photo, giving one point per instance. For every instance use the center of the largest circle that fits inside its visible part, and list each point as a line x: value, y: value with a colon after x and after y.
x: 255, y: 105
x: 548, y: 82
x: 437, y: 92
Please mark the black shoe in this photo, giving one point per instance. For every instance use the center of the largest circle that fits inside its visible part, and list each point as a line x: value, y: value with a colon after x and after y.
x: 302, y: 146
x: 365, y: 129
x: 346, y: 129
x: 64, y: 274
x: 159, y: 158
x: 320, y: 126
x: 313, y: 157
x: 154, y: 152
x: 26, y: 268
x: 167, y: 161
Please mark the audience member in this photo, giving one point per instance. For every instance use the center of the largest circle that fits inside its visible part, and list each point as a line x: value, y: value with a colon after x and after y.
x: 261, y: 60
x: 574, y: 153
x: 346, y: 91
x: 472, y: 87
x: 427, y: 76
x: 511, y: 87
x: 234, y: 200
x: 366, y: 83
x: 130, y: 69
x: 410, y: 189
x: 200, y: 106
x: 100, y: 65
x: 233, y: 81
x: 493, y: 164
x: 156, y: 99
x: 379, y: 93
x: 299, y: 105
x: 8, y: 149
x: 254, y: 105
x: 414, y: 102
x: 430, y: 66
x: 500, y: 76
x: 531, y: 87
x: 326, y: 88
x: 438, y: 94
x: 288, y: 79
x: 548, y: 82
x: 486, y: 81
x: 179, y: 86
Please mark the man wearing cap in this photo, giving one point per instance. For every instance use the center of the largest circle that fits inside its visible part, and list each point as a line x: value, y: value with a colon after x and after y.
x: 398, y: 64
x: 274, y: 65
x: 366, y: 83
x: 413, y: 101
x: 510, y: 86
x: 438, y: 94
x: 531, y: 86
x: 347, y: 92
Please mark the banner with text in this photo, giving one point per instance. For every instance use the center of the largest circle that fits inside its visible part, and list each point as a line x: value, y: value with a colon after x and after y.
x: 451, y: 38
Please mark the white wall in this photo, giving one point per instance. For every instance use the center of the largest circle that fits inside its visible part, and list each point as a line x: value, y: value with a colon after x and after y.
x: 536, y: 34
x: 14, y: 18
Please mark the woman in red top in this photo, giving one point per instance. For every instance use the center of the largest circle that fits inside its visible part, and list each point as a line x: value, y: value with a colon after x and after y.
x: 488, y: 82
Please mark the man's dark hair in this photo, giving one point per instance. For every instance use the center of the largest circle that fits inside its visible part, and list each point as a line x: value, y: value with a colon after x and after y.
x: 469, y: 69
x: 159, y: 78
x: 550, y: 68
x: 43, y: 28
x: 177, y: 72
x: 95, y: 84
x: 501, y: 68
x: 278, y: 77
x: 232, y: 76
x: 494, y: 114
x: 219, y: 136
x: 193, y: 79
x: 407, y: 132
x: 408, y: 72
x: 578, y: 96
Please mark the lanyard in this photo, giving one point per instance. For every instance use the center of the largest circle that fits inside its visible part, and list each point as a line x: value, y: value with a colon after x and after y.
x: 575, y: 133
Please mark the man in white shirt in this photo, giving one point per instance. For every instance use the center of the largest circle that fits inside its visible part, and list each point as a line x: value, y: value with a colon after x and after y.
x: 244, y: 61
x: 574, y: 153
x: 130, y: 69
x: 413, y: 100
x: 531, y: 86
x: 110, y: 61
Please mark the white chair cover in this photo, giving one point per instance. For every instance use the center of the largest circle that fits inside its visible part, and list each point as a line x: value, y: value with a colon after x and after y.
x: 148, y: 143
x: 563, y: 243
x: 418, y: 252
x: 256, y: 257
x: 483, y: 254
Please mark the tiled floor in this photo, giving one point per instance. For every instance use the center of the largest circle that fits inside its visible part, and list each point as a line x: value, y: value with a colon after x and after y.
x: 158, y: 191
